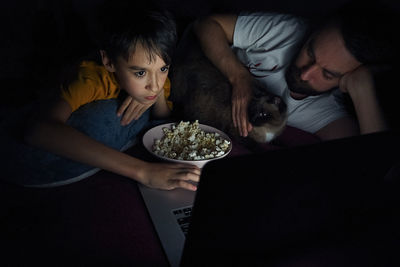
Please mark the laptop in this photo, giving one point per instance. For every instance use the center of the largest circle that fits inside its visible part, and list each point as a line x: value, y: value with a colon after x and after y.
x: 262, y: 209
x: 170, y: 212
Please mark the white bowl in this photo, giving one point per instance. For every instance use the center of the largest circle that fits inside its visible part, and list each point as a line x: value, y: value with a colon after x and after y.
x: 157, y: 133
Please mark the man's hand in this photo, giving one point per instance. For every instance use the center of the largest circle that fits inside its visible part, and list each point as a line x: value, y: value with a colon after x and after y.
x: 359, y: 84
x: 241, y: 96
x: 131, y: 110
x: 215, y: 34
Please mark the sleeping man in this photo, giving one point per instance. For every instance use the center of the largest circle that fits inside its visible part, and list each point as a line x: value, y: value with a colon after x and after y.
x: 310, y: 70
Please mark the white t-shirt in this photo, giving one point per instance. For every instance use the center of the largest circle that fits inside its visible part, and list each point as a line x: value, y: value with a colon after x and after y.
x: 266, y: 44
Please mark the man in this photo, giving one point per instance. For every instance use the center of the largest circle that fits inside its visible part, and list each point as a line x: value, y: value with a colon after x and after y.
x: 309, y: 75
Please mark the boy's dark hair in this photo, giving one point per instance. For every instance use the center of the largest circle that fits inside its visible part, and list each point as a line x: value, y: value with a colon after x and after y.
x: 369, y: 31
x: 122, y: 25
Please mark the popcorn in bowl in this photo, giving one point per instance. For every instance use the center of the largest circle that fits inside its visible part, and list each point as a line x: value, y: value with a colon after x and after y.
x: 187, y: 141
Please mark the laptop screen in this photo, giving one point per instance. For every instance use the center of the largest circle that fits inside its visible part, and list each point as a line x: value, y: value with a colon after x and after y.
x: 319, y: 204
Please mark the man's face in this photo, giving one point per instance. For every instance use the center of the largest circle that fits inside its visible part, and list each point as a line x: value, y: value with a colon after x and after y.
x: 320, y: 64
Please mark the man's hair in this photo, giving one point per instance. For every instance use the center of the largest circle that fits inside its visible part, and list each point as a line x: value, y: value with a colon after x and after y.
x: 369, y: 31
x: 122, y: 25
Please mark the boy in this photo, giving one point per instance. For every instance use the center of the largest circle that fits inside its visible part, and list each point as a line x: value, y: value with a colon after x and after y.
x: 83, y: 128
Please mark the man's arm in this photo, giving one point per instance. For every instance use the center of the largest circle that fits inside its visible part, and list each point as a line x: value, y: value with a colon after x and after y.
x: 339, y: 128
x: 215, y: 34
x: 360, y: 86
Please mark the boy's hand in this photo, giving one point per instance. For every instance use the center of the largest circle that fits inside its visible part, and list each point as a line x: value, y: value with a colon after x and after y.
x: 168, y: 176
x: 131, y: 110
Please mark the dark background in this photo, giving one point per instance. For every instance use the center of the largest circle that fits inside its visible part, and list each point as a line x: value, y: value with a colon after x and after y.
x: 38, y: 37
x: 100, y: 219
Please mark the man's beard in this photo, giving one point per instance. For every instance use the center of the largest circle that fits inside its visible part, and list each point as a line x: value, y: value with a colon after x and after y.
x: 296, y: 85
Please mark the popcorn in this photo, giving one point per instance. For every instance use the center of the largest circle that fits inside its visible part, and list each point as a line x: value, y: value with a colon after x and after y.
x: 186, y: 141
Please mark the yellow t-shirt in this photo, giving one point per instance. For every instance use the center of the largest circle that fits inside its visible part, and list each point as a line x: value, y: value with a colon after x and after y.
x: 93, y: 83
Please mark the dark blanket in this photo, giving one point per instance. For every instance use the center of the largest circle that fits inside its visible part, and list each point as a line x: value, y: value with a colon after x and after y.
x: 99, y: 220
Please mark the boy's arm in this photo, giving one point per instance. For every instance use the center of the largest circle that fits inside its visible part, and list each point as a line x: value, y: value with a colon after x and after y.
x: 161, y: 109
x: 215, y: 34
x: 131, y: 109
x: 54, y: 135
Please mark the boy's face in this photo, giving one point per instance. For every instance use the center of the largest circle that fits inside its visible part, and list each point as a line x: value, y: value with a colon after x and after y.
x: 140, y: 77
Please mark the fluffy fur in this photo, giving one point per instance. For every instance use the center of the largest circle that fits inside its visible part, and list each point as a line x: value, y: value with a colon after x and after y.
x: 201, y: 92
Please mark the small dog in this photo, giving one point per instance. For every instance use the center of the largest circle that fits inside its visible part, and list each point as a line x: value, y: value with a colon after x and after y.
x: 201, y: 92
